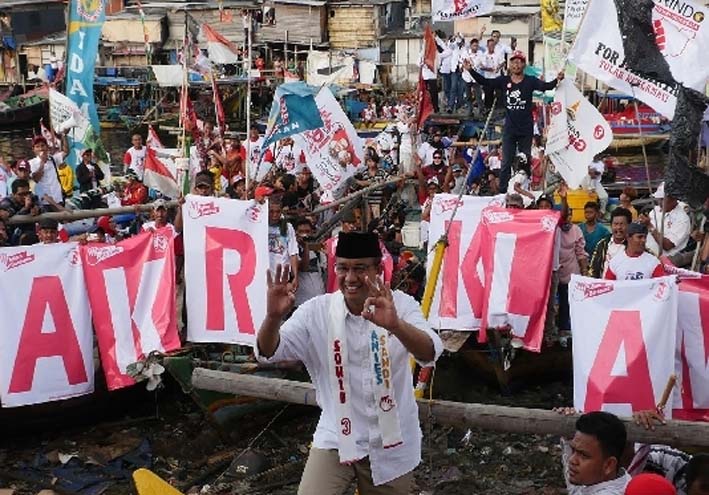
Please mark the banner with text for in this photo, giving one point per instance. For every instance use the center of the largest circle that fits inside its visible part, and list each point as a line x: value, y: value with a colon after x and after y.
x: 624, y: 341
x: 131, y: 287
x: 485, y: 279
x: 226, y: 258
x: 46, y: 341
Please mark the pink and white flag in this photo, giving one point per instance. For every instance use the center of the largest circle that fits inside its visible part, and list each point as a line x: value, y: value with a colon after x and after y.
x: 131, y: 288
x: 153, y: 139
x: 47, y: 342
x: 219, y: 49
x: 624, y: 336
x: 226, y: 258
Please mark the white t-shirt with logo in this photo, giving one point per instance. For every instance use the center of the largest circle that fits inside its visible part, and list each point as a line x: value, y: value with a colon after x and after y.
x: 49, y: 183
x: 5, y: 183
x: 677, y: 229
x: 254, y: 152
x: 135, y: 159
x: 281, y: 247
x: 624, y: 267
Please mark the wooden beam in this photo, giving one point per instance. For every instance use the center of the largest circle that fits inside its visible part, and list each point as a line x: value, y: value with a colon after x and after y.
x: 485, y: 416
x: 73, y: 215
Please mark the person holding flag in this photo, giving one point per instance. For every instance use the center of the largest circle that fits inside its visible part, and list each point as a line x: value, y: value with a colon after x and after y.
x: 519, y: 125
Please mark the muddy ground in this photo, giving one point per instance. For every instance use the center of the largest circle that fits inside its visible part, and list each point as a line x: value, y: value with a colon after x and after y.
x: 265, y: 454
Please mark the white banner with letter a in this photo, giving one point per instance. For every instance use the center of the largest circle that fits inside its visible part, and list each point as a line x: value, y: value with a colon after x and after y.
x: 623, y: 342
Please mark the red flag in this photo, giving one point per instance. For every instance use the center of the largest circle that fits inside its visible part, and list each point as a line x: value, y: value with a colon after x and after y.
x: 425, y: 105
x: 160, y: 174
x: 218, y: 108
x: 429, y: 48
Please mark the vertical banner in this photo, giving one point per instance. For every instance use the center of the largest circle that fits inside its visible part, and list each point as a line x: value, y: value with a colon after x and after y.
x: 47, y: 344
x: 334, y: 151
x: 456, y: 10
x: 85, y: 21
x: 452, y: 301
x: 623, y: 342
x: 226, y: 258
x: 131, y: 288
x: 691, y: 397
x: 573, y: 13
x: 515, y: 249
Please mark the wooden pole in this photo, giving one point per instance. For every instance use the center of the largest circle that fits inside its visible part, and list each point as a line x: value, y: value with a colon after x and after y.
x: 485, y: 416
x: 73, y: 215
x: 354, y: 195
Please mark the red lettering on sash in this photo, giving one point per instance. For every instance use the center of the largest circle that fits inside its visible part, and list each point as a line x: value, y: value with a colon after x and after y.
x: 47, y: 293
x: 217, y: 240
x: 624, y: 329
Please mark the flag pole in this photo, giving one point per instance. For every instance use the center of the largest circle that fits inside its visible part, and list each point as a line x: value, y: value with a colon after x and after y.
x: 248, y: 97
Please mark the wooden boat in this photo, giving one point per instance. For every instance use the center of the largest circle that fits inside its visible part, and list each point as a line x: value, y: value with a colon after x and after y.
x: 625, y: 142
x: 24, y: 110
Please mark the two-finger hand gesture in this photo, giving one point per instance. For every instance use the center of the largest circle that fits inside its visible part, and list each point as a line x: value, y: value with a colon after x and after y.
x: 279, y: 298
x: 379, y: 306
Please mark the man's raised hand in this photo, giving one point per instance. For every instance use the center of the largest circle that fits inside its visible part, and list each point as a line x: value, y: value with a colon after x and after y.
x: 279, y: 298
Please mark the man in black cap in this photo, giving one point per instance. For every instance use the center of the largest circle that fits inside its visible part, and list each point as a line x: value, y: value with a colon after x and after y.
x: 48, y: 231
x: 355, y: 344
x: 634, y: 263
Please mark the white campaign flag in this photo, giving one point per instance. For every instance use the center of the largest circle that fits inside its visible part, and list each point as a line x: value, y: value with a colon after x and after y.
x: 577, y: 132
x: 47, y: 340
x: 334, y: 152
x: 599, y: 51
x: 226, y: 258
x: 451, y: 307
x: 455, y: 10
x: 65, y: 114
x: 623, y: 342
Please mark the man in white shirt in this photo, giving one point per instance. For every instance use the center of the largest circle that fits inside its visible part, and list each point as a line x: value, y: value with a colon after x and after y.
x: 490, y: 64
x: 445, y: 67
x: 592, y: 182
x: 5, y: 175
x: 253, y: 149
x: 674, y: 234
x: 282, y: 243
x: 45, y: 172
x: 355, y: 344
x: 430, y: 77
x: 608, y: 248
x: 135, y: 157
x: 473, y: 56
x: 634, y: 263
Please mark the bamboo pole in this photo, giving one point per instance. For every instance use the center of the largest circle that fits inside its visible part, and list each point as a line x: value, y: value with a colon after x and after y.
x: 354, y: 195
x: 73, y: 215
x: 485, y: 416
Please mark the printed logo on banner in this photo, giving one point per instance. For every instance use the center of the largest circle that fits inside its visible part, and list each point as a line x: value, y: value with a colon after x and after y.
x: 198, y: 210
x: 74, y: 258
x: 599, y: 132
x: 549, y: 223
x: 444, y: 205
x: 662, y: 292
x: 10, y: 261
x: 587, y: 290
x: 494, y: 217
x: 90, y: 10
x: 160, y: 243
x: 95, y: 255
x: 254, y: 213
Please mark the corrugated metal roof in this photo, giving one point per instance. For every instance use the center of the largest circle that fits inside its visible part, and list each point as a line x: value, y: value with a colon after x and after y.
x: 10, y: 4
x: 51, y: 39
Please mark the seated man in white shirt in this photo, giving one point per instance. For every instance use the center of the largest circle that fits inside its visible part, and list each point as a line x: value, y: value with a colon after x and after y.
x: 592, y: 182
x: 369, y: 428
x: 670, y: 229
x: 634, y: 263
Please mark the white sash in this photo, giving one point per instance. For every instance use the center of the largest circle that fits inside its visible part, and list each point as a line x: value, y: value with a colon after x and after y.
x: 380, y: 363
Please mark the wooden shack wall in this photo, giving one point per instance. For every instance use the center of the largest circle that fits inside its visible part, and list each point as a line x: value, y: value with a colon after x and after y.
x: 304, y: 24
x: 353, y: 27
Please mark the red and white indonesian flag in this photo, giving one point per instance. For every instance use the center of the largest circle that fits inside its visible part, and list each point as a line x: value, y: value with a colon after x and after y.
x: 153, y: 139
x: 131, y: 288
x: 160, y: 173
x: 681, y: 33
x: 334, y: 152
x: 219, y: 49
x: 454, y: 10
x: 577, y: 132
x: 623, y: 342
x: 452, y: 305
x: 46, y: 350
x: 226, y: 258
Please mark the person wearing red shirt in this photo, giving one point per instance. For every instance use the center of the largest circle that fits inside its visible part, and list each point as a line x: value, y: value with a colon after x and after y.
x: 634, y: 263
x: 134, y: 193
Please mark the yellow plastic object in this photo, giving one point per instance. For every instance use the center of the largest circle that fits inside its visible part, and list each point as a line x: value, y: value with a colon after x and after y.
x: 576, y: 199
x: 149, y: 483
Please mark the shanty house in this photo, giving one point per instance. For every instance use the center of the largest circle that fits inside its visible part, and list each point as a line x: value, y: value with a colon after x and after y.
x: 360, y: 23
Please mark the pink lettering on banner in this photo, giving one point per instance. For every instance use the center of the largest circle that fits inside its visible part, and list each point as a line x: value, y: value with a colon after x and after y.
x: 451, y: 270
x: 217, y: 240
x: 47, y: 294
x: 10, y: 261
x: 624, y: 330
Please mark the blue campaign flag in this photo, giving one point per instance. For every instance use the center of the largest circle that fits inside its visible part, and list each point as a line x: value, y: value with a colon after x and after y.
x: 477, y: 169
x: 294, y: 110
x: 86, y: 18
